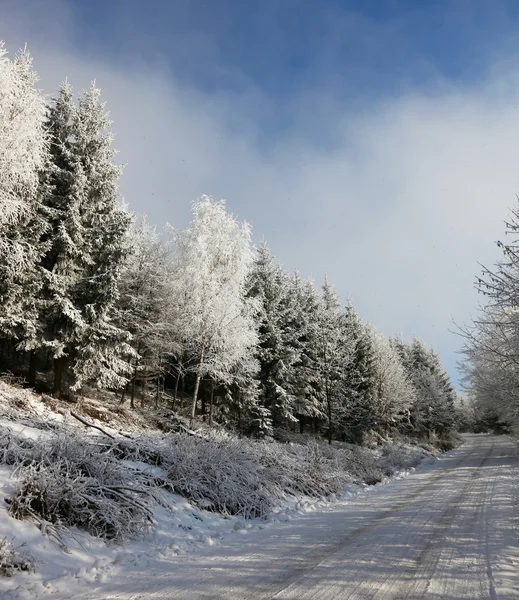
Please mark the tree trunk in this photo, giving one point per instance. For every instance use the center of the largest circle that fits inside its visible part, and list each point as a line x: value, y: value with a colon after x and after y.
x: 211, y: 398
x: 175, y: 394
x: 132, y: 397
x: 143, y: 390
x: 204, y: 411
x: 157, y: 395
x: 329, y: 411
x: 59, y: 367
x: 123, y: 394
x: 197, y: 385
x: 183, y: 390
x: 31, y: 375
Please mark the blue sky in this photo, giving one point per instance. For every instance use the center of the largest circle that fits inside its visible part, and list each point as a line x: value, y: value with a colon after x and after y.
x: 374, y: 141
x: 357, y: 48
x: 294, y: 51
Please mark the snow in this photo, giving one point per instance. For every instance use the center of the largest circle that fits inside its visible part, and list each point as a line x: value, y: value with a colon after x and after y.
x: 303, y: 541
x: 24, y: 431
x: 445, y: 532
x: 289, y: 539
x: 70, y: 564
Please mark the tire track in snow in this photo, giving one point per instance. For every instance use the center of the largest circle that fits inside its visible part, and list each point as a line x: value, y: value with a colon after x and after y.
x: 426, y: 562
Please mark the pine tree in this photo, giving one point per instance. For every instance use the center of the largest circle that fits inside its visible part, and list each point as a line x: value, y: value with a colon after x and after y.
x: 356, y: 414
x: 334, y: 352
x: 433, y: 410
x: 270, y: 286
x: 144, y: 307
x: 87, y: 247
x: 394, y: 392
x: 305, y: 381
x: 23, y: 153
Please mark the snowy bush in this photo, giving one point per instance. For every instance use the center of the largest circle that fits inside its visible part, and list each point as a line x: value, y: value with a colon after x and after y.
x: 396, y: 457
x: 72, y: 481
x: 307, y: 469
x: 13, y: 559
x: 227, y: 477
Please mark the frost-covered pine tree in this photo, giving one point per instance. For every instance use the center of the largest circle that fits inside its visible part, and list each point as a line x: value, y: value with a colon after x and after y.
x: 433, y: 410
x: 212, y: 260
x: 278, y: 350
x: 394, y: 392
x: 145, y: 306
x: 356, y: 413
x: 87, y: 246
x: 304, y: 381
x: 23, y: 154
x: 334, y: 346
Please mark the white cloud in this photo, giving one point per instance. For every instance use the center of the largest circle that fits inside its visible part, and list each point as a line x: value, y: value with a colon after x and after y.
x: 397, y: 215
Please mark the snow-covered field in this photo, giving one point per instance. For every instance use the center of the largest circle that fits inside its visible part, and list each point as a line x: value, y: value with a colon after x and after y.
x: 66, y: 561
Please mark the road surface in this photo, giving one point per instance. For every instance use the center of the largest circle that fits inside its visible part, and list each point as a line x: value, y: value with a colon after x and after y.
x: 445, y: 532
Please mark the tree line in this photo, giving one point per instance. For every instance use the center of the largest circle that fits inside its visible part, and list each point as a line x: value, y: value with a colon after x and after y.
x: 90, y: 294
x: 491, y: 350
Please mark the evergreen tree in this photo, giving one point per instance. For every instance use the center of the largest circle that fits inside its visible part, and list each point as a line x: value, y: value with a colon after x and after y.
x: 144, y: 307
x: 86, y: 242
x: 334, y: 353
x: 277, y: 353
x: 394, y: 391
x: 305, y: 380
x: 23, y: 154
x: 356, y: 414
x: 433, y: 410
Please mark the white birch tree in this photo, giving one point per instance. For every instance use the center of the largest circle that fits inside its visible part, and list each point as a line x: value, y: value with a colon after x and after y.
x: 212, y: 260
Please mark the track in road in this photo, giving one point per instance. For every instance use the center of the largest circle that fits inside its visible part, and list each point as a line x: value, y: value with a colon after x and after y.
x: 442, y: 533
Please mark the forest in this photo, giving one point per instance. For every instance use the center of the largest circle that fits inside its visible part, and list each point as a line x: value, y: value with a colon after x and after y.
x: 199, y: 318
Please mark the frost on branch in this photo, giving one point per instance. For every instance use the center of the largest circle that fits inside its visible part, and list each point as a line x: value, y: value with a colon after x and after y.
x: 14, y: 558
x: 70, y: 481
x: 22, y: 139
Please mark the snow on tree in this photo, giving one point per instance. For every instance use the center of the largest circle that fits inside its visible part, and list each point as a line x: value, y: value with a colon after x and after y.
x: 305, y: 381
x: 23, y: 153
x: 287, y: 326
x: 212, y: 260
x: 356, y: 413
x: 433, y: 411
x: 145, y: 305
x: 87, y: 246
x: 334, y: 350
x: 492, y: 343
x: 23, y: 143
x: 394, y: 391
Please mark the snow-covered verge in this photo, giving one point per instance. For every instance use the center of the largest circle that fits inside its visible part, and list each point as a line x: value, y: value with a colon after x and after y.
x: 77, y: 506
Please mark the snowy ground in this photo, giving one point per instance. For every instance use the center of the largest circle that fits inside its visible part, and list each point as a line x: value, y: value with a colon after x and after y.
x: 446, y: 532
x: 70, y: 562
x: 73, y: 562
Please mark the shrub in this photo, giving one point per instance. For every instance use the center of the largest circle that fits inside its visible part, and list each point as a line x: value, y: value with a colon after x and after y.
x: 13, y: 559
x: 396, y: 457
x: 72, y: 481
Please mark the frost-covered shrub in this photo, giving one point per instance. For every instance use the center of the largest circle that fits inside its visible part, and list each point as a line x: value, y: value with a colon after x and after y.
x: 304, y: 469
x: 363, y: 464
x: 224, y: 477
x: 14, y: 558
x: 396, y: 457
x: 72, y: 481
x: 14, y: 449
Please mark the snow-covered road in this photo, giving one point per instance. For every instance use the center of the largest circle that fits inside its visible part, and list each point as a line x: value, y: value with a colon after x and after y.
x: 446, y: 532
